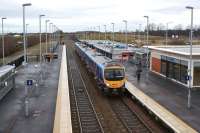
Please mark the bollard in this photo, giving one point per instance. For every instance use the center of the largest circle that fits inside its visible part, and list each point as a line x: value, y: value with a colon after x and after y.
x: 26, y: 107
x: 26, y: 90
x: 36, y: 89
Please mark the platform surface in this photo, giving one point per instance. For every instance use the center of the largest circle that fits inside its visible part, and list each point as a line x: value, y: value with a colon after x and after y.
x: 169, y: 94
x: 161, y: 112
x: 42, y: 101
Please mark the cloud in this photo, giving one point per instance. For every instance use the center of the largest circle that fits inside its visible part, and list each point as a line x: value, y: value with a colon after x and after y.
x: 81, y: 14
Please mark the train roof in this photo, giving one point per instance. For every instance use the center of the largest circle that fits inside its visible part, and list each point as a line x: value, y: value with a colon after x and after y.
x: 95, y: 56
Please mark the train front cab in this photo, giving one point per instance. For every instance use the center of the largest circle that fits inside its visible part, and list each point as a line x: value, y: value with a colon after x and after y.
x: 111, y: 80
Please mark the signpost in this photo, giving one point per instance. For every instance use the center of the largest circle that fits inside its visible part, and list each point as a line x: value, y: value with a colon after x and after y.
x: 28, y: 85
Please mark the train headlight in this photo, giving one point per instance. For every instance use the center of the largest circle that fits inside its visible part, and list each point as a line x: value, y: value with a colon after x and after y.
x: 107, y: 84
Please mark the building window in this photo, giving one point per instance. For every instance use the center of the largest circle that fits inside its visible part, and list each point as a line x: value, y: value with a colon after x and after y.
x: 183, y: 72
x: 174, y: 68
x: 177, y: 72
x: 196, y: 74
x: 163, y: 67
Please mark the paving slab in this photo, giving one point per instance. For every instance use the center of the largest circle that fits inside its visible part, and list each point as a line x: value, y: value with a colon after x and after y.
x: 42, y: 99
x: 171, y: 95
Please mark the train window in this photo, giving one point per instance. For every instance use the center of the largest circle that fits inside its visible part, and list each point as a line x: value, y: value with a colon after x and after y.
x: 114, y: 74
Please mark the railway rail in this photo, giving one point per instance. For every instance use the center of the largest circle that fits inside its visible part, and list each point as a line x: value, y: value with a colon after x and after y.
x: 84, y: 110
x: 128, y: 118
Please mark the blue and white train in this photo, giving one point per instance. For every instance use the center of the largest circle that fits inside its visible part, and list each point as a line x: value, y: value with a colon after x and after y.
x: 110, y: 75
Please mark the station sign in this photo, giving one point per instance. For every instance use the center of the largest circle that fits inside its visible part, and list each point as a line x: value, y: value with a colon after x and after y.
x: 29, y: 82
x: 188, y: 77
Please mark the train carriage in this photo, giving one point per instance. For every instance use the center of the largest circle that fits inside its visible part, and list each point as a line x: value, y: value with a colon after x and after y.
x: 110, y: 75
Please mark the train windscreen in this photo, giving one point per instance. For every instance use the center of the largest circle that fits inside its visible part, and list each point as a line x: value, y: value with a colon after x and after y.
x: 114, y: 74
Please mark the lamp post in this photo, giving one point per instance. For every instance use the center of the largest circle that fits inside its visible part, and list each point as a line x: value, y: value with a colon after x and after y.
x: 40, y: 17
x: 46, y: 34
x: 166, y: 37
x: 125, y: 21
x: 190, y: 69
x: 27, y: 39
x: 99, y: 32
x: 53, y: 36
x: 50, y: 34
x: 105, y: 32
x: 94, y: 33
x: 113, y: 26
x: 24, y: 32
x: 139, y: 36
x: 3, y: 42
x: 147, y: 43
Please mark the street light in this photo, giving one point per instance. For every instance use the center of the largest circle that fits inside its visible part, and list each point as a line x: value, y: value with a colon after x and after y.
x: 46, y: 34
x: 27, y: 39
x: 94, y: 33
x: 3, y: 41
x: 54, y: 37
x: 51, y: 32
x: 40, y: 17
x: 147, y: 63
x: 113, y: 26
x: 166, y: 39
x: 139, y: 36
x: 99, y: 32
x: 24, y: 32
x: 125, y: 21
x: 190, y: 70
x: 105, y: 32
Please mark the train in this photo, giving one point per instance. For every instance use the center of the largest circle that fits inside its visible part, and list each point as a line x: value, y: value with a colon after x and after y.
x: 109, y: 74
x: 7, y: 79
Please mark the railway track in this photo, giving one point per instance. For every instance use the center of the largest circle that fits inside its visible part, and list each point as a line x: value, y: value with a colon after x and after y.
x: 127, y: 117
x: 120, y: 112
x: 84, y: 110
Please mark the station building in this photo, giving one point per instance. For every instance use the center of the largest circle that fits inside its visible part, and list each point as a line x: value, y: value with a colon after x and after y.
x: 173, y: 62
x: 116, y: 51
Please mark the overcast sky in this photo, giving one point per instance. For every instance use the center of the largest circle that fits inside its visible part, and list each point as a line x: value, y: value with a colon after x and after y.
x: 78, y: 15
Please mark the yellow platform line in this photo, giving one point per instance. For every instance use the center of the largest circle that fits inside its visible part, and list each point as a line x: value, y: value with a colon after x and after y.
x: 178, y: 125
x: 62, y: 121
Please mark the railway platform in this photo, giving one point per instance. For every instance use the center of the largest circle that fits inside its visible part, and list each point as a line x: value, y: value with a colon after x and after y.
x: 168, y: 94
x: 41, y: 97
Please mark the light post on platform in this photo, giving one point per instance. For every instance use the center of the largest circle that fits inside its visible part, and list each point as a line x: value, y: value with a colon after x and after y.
x: 113, y: 30
x: 40, y: 17
x: 24, y: 32
x: 166, y: 38
x: 147, y: 42
x: 94, y: 33
x: 50, y: 38
x: 3, y: 41
x: 99, y: 32
x: 27, y: 39
x: 125, y: 21
x: 139, y: 33
x: 46, y: 34
x: 105, y: 32
x: 190, y: 69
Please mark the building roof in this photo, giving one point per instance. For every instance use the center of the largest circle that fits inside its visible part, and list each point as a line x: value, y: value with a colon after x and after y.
x: 182, y: 50
x: 117, y: 49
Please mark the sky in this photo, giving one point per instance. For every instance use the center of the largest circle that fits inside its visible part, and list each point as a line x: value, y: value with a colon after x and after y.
x: 81, y: 15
